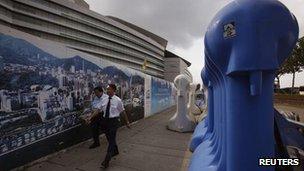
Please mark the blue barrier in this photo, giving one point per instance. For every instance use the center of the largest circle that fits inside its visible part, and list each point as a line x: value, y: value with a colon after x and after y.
x: 288, y: 131
x: 245, y: 44
x: 289, y: 140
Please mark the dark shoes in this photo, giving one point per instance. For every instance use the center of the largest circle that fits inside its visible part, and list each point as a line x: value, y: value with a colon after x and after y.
x: 116, y: 152
x: 94, y: 145
x: 105, y: 164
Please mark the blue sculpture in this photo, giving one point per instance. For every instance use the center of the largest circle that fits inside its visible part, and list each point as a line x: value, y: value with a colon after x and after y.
x: 245, y: 44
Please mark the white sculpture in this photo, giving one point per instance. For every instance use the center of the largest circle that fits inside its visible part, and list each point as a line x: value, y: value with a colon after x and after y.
x: 197, y: 103
x: 201, y: 101
x: 193, y: 109
x: 180, y: 121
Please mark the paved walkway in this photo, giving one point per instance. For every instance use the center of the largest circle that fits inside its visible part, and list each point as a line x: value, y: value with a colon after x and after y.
x: 148, y: 145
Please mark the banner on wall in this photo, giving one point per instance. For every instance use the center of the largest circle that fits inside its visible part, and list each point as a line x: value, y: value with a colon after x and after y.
x: 163, y: 95
x: 44, y: 87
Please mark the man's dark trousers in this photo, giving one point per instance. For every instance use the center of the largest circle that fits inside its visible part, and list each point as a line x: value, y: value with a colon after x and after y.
x: 111, y: 126
x: 95, y: 128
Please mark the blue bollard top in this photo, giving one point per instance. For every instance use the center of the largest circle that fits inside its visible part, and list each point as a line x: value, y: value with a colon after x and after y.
x: 204, y: 77
x: 251, y: 35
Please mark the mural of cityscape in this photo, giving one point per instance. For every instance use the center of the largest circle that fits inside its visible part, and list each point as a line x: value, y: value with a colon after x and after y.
x: 42, y: 94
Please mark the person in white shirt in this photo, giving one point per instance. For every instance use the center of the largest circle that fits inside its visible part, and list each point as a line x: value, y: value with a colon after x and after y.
x: 112, y: 107
x: 95, y: 121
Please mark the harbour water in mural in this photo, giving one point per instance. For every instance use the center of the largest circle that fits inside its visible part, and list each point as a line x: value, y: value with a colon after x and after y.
x: 44, y: 88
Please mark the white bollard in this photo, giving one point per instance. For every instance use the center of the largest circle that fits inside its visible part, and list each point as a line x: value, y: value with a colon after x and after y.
x: 181, y: 122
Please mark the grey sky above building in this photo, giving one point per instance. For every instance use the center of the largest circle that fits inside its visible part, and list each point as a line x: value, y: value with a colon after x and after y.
x: 178, y: 21
x: 182, y: 23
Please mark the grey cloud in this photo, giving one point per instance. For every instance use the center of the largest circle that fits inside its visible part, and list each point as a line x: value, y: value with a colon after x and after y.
x: 178, y: 21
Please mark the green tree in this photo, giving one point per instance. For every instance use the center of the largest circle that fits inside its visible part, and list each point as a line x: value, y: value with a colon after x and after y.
x: 282, y: 70
x: 295, y: 62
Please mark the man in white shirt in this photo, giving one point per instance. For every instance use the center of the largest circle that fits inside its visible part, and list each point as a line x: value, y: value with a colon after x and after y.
x: 95, y: 121
x: 111, y: 107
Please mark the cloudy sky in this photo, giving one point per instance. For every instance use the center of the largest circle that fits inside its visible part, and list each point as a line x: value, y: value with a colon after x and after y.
x: 183, y: 23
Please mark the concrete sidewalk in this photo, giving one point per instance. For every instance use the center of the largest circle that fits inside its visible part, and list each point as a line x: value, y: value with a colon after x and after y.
x: 148, y: 145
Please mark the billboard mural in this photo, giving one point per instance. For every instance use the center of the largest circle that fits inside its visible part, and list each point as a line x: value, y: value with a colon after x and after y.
x: 44, y: 87
x: 163, y: 95
x: 148, y: 96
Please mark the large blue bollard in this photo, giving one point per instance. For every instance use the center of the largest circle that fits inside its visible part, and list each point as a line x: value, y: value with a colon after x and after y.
x: 245, y: 44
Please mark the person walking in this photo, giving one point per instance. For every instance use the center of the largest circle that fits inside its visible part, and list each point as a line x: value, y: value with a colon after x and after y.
x: 95, y: 120
x: 112, y: 107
